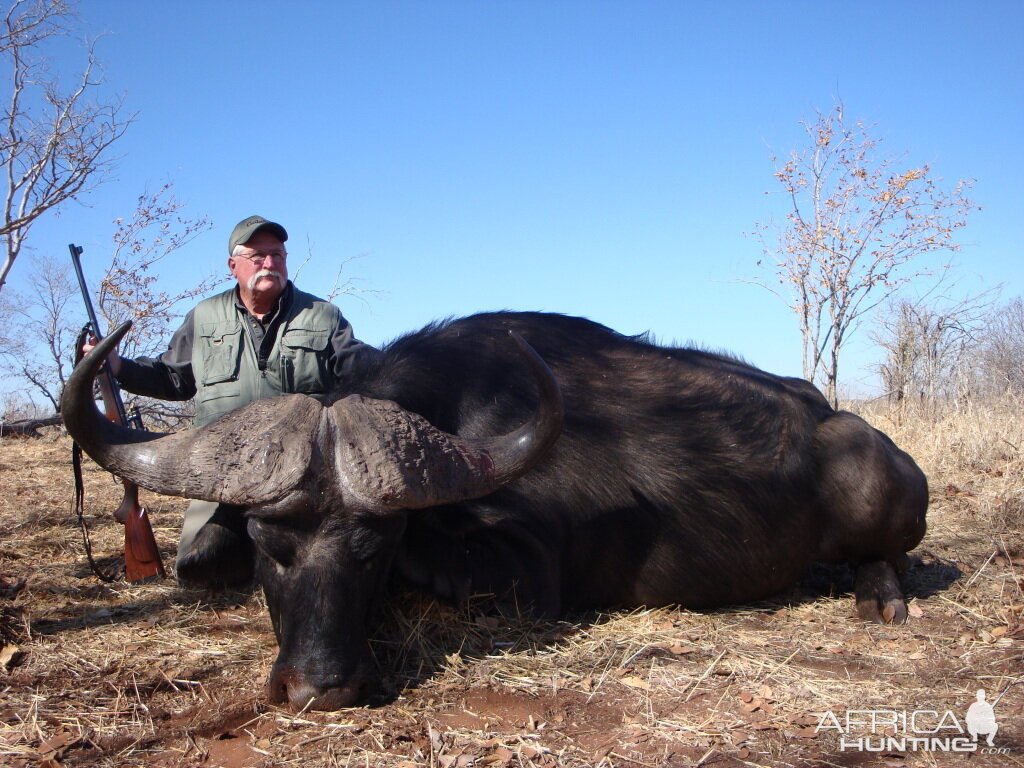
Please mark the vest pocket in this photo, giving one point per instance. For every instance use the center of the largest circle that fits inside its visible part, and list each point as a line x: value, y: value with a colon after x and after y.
x: 221, y: 351
x: 304, y: 361
x: 224, y: 397
x: 213, y: 402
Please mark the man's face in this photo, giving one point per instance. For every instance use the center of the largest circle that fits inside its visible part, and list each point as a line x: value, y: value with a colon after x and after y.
x: 260, y: 265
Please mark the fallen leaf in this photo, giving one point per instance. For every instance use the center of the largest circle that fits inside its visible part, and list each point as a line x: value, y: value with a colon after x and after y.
x: 804, y: 718
x: 8, y: 654
x: 599, y: 755
x: 56, y: 744
x: 635, y: 682
x: 765, y: 692
x: 915, y: 611
x: 746, y: 697
x: 503, y: 755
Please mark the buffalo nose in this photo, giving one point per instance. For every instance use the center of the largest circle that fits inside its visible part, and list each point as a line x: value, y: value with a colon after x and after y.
x: 291, y: 687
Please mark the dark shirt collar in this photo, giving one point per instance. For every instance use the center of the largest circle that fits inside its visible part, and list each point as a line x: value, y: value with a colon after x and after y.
x: 283, y: 302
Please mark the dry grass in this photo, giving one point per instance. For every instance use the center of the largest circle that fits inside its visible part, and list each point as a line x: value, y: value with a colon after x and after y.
x: 122, y: 675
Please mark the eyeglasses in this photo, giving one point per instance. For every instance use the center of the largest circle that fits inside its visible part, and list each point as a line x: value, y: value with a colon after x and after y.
x: 259, y: 257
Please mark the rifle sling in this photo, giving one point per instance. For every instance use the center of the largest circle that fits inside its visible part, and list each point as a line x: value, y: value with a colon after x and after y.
x: 76, y: 464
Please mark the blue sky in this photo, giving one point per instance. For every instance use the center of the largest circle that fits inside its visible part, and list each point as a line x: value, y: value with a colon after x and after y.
x: 599, y: 158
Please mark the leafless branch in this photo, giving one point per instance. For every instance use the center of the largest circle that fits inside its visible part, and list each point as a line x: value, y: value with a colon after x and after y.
x: 55, y: 142
x: 349, y: 286
x: 48, y: 313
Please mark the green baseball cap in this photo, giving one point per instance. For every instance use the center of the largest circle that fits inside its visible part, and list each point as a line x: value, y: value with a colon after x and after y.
x: 248, y: 227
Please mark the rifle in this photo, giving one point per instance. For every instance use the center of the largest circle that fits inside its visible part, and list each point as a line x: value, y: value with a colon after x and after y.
x: 141, y: 556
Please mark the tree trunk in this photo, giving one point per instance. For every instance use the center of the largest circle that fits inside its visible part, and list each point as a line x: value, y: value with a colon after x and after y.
x: 28, y: 427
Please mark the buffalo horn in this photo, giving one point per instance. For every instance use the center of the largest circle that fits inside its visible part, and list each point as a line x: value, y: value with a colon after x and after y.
x: 394, y: 459
x: 258, y: 455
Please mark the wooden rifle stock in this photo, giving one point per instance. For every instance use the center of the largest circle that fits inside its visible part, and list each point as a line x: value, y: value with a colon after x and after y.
x: 141, y: 556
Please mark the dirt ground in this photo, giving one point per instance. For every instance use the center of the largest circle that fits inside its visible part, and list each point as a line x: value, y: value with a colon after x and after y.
x: 153, y: 674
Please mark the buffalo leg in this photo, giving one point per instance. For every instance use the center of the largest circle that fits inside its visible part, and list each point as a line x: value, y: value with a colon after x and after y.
x: 879, y: 594
x: 875, y: 498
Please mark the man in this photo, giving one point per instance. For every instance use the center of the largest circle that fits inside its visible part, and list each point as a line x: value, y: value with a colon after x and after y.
x: 263, y: 337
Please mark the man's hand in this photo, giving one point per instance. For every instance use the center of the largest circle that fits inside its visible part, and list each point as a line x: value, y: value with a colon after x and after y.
x: 113, y: 359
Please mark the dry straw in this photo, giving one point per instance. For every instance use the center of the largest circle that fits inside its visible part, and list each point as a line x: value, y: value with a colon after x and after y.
x: 126, y: 675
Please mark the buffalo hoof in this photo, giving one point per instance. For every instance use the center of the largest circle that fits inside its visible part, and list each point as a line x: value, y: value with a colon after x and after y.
x: 291, y: 688
x: 219, y: 558
x: 879, y: 595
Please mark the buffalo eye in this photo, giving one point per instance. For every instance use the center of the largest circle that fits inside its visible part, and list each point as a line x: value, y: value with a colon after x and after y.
x: 275, y: 541
x: 363, y: 539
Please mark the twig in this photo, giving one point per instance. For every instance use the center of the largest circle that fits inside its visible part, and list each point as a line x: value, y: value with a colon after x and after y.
x: 700, y: 680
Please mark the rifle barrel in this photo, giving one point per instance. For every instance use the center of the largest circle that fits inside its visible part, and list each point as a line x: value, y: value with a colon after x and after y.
x: 114, y: 391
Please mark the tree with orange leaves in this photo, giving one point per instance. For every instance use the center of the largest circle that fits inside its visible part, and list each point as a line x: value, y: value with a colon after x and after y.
x: 855, y: 232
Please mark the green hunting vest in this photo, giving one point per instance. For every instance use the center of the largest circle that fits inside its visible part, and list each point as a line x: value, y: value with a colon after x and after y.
x: 225, y: 363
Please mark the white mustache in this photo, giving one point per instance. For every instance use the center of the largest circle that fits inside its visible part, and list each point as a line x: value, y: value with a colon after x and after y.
x: 265, y: 273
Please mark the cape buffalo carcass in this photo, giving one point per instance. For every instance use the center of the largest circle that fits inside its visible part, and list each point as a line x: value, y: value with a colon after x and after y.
x: 620, y: 474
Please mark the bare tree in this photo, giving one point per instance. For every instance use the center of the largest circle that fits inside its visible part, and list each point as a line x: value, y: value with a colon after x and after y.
x: 55, y: 141
x: 129, y: 290
x: 48, y: 316
x: 41, y: 355
x: 932, y: 347
x: 856, y: 228
x: 1002, y: 354
x: 9, y: 305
